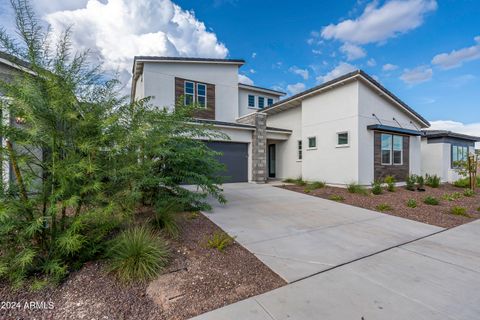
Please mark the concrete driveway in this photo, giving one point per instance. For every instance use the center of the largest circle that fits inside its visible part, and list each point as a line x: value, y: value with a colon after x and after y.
x: 298, y: 235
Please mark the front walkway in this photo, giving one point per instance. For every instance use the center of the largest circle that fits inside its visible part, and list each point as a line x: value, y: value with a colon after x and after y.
x: 436, y: 277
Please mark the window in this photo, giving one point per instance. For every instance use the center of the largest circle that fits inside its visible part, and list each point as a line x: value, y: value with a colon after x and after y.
x: 459, y: 153
x: 392, y: 149
x: 342, y: 139
x: 189, y: 93
x: 202, y: 94
x: 261, y: 102
x: 251, y: 101
x: 299, y: 150
x: 312, y: 142
x: 269, y: 101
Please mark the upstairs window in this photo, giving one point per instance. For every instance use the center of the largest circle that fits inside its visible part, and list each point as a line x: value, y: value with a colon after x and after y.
x: 189, y: 93
x: 342, y: 139
x: 261, y: 102
x: 202, y: 94
x: 312, y: 142
x: 459, y: 154
x: 299, y: 150
x: 251, y: 101
x: 269, y: 101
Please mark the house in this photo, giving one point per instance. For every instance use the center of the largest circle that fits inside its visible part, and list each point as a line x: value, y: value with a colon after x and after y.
x: 441, y: 151
x: 350, y: 129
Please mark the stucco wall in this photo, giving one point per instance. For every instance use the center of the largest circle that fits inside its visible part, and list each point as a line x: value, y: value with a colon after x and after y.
x: 243, y: 107
x: 159, y: 82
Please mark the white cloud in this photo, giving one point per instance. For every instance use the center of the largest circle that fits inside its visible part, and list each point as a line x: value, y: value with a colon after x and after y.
x: 352, y: 51
x: 244, y: 79
x: 254, y: 55
x: 301, y: 72
x: 417, y: 75
x: 371, y: 62
x: 379, y: 23
x: 295, y: 88
x: 117, y: 30
x: 389, y: 67
x: 457, y: 57
x: 252, y: 71
x: 462, y: 80
x: 316, y: 51
x: 459, y: 127
x: 341, y: 69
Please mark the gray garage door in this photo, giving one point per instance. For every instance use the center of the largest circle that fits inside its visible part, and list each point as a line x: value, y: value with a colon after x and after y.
x: 235, y: 157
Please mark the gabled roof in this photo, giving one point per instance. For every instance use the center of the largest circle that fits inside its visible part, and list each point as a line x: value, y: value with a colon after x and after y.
x: 261, y: 89
x: 14, y: 62
x: 355, y: 75
x: 450, y: 134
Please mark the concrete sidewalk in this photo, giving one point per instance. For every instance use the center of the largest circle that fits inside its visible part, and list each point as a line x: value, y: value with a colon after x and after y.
x: 437, y: 277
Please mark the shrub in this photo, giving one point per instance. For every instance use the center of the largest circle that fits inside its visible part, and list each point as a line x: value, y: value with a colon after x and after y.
x: 459, y: 211
x: 137, y: 254
x: 219, y: 240
x: 432, y: 181
x: 193, y: 215
x: 166, y: 210
x: 420, y: 183
x: 356, y: 188
x: 410, y: 181
x: 468, y: 193
x: 462, y: 183
x: 314, y: 185
x: 411, y: 203
x: 298, y: 181
x: 390, y: 181
x: 377, y: 187
x: 478, y: 209
x: 431, y: 201
x: 383, y: 207
x: 336, y: 197
x: 452, y: 197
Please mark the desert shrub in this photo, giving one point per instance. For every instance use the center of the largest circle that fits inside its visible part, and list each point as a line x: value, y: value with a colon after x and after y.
x: 452, y: 196
x: 420, y: 182
x: 459, y: 211
x: 432, y: 181
x: 431, y: 201
x: 137, y: 254
x: 468, y: 193
x: 377, y: 187
x: 412, y: 203
x: 390, y: 181
x: 478, y: 209
x: 298, y: 181
x: 314, y: 185
x: 356, y: 188
x: 410, y: 181
x: 193, y: 215
x: 383, y: 207
x: 462, y: 183
x: 219, y: 241
x: 336, y: 197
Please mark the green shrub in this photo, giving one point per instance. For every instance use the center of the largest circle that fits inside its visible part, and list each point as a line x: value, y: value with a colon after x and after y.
x: 377, y: 187
x: 356, y: 188
x: 468, y: 193
x: 390, y: 181
x: 478, y: 209
x: 420, y: 183
x: 314, y: 185
x: 411, y: 203
x: 465, y: 183
x: 431, y: 201
x: 383, y: 207
x: 452, y: 196
x: 219, y: 240
x: 137, y: 254
x: 336, y: 197
x: 165, y: 215
x: 432, y: 181
x: 410, y: 181
x: 193, y: 215
x: 459, y: 211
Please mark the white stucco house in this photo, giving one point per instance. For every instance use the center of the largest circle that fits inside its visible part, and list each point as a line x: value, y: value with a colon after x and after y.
x: 350, y: 129
x: 441, y: 151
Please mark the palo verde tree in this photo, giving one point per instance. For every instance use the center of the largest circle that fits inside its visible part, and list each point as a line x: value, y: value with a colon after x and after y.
x: 83, y: 158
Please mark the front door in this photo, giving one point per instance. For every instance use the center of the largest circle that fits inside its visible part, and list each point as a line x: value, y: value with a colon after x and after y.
x: 271, y: 160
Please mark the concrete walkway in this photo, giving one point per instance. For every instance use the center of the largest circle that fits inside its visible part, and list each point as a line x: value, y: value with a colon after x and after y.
x: 298, y: 235
x: 436, y: 277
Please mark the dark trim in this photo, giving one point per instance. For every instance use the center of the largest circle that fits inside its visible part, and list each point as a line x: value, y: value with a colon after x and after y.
x: 432, y: 134
x: 408, y: 132
x: 187, y: 59
x: 280, y: 93
x: 223, y: 123
x: 14, y: 60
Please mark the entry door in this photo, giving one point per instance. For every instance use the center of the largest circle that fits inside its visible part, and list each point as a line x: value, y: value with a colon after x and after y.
x: 271, y: 160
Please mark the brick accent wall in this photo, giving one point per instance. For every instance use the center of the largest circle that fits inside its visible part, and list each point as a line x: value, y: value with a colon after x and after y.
x: 259, y: 145
x: 209, y: 111
x: 400, y: 172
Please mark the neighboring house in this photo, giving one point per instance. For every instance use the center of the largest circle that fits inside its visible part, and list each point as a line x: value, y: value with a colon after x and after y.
x: 442, y: 149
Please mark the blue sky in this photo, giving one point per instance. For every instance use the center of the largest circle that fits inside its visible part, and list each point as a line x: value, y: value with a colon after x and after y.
x: 425, y: 51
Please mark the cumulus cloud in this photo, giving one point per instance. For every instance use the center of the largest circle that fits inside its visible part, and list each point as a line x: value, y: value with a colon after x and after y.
x: 379, y: 23
x: 244, y: 79
x: 417, y: 75
x: 301, y: 72
x: 341, y: 69
x: 352, y: 51
x: 459, y: 127
x: 295, y: 88
x: 457, y: 57
x: 389, y: 67
x: 117, y: 30
x: 371, y: 62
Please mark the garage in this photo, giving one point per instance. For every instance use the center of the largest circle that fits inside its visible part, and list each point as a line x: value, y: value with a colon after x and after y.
x: 235, y: 157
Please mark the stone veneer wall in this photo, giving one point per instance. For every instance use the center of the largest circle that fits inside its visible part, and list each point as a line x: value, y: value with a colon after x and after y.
x: 259, y: 145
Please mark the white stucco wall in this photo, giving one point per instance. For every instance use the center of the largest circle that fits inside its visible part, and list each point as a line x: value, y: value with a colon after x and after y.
x: 159, y: 82
x: 243, y: 107
x: 287, y: 164
x: 370, y: 102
